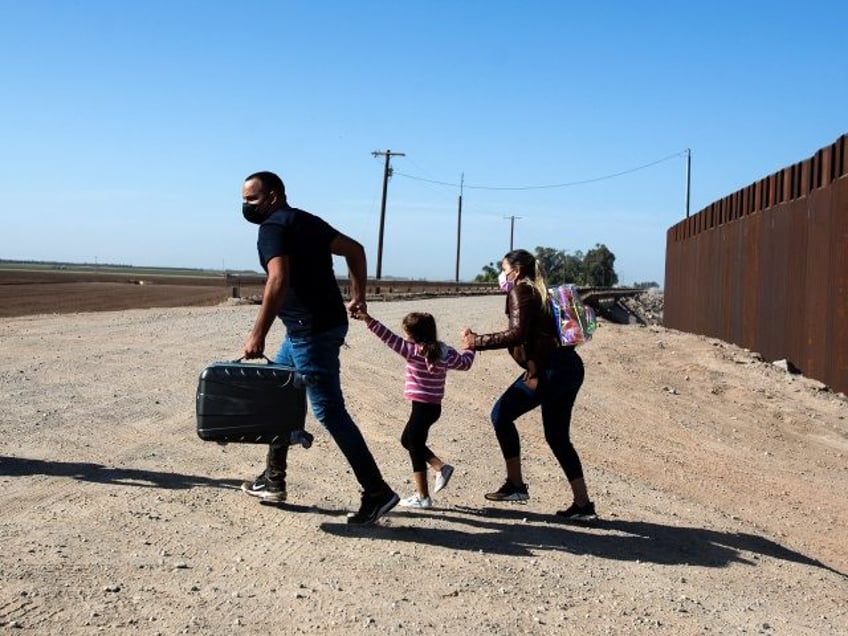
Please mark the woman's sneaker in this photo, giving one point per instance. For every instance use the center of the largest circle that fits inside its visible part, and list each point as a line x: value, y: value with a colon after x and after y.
x: 578, y: 512
x: 509, y: 492
x: 265, y: 489
x: 416, y: 502
x: 442, y: 478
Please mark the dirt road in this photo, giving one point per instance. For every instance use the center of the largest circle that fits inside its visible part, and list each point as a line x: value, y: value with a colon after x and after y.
x: 720, y: 482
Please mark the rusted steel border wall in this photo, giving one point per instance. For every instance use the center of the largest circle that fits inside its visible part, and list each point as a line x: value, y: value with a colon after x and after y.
x: 767, y: 267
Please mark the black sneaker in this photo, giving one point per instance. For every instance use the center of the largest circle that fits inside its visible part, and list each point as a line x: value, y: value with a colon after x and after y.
x: 578, y: 512
x: 509, y: 492
x: 373, y: 507
x: 265, y: 489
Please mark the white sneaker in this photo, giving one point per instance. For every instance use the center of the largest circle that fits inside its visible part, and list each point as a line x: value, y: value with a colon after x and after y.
x: 416, y: 502
x: 442, y: 478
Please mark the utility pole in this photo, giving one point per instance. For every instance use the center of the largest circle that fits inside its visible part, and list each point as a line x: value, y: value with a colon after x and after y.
x: 387, y: 171
x: 688, y: 177
x: 459, y: 223
x: 511, y: 228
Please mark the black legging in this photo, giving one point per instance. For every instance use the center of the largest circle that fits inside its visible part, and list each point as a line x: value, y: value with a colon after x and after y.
x: 414, y: 437
x: 556, y: 392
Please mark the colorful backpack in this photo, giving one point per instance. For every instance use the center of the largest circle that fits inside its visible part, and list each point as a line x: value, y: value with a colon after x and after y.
x: 575, y: 321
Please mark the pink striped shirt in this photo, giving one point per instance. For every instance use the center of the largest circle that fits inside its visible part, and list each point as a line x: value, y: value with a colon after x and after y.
x: 425, y: 382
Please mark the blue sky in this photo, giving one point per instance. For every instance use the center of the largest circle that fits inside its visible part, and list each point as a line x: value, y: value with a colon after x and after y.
x: 126, y: 129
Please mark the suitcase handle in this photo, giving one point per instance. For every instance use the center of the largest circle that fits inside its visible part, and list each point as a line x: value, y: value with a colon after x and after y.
x: 295, y: 377
x: 264, y: 357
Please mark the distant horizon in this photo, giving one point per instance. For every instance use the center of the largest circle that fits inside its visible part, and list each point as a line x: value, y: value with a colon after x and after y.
x: 98, y: 265
x: 95, y: 266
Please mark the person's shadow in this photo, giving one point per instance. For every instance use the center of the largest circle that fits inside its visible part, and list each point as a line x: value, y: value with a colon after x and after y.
x: 98, y: 473
x: 516, y: 532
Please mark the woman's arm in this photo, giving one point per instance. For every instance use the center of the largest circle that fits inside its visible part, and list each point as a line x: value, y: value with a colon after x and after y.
x: 522, y: 303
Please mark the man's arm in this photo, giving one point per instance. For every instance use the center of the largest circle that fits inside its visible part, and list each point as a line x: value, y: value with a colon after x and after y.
x: 357, y: 267
x: 272, y: 300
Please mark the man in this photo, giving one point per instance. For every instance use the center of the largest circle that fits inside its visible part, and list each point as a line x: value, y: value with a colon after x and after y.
x: 296, y: 251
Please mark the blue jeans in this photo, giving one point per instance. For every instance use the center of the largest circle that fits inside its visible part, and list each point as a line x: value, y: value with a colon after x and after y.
x: 316, y: 357
x: 555, y: 393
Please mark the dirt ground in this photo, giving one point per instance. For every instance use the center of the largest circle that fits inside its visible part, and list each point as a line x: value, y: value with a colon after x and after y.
x: 719, y: 479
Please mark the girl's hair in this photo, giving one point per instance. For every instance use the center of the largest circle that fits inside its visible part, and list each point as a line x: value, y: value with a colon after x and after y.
x: 421, y: 327
x: 530, y: 268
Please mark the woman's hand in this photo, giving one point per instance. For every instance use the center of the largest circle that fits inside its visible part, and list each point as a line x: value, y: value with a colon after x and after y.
x: 467, y: 338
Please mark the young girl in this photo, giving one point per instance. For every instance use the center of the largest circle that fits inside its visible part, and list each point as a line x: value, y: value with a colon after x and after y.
x: 427, y: 362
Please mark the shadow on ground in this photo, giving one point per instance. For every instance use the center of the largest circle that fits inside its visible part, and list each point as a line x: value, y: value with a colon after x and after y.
x: 98, y: 473
x: 516, y: 532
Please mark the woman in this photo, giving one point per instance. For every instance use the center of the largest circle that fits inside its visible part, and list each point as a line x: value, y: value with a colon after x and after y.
x: 552, y: 377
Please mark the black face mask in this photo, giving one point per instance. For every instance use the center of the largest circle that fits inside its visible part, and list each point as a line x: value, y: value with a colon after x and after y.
x: 254, y: 213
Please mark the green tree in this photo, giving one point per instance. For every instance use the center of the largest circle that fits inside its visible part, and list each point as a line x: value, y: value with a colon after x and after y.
x: 600, y: 267
x: 552, y: 262
x: 489, y: 274
x: 596, y: 268
x: 561, y: 267
x: 573, y: 270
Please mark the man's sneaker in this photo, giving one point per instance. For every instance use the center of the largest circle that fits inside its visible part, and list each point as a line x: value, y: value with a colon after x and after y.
x: 373, y: 507
x: 578, y: 512
x: 442, y: 478
x: 416, y: 502
x: 265, y: 489
x: 509, y: 492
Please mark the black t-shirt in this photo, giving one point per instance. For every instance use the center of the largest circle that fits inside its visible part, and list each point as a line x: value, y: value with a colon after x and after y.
x: 313, y: 302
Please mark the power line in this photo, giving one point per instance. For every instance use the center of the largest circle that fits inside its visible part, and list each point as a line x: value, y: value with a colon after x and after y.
x: 548, y: 186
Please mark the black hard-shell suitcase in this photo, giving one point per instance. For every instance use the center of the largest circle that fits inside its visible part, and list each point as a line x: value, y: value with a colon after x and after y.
x: 251, y: 403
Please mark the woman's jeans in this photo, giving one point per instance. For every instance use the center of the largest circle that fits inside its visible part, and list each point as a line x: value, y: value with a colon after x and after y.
x: 316, y: 358
x: 556, y: 391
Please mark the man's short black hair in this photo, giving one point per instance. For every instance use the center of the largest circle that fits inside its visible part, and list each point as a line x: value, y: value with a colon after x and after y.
x: 270, y: 183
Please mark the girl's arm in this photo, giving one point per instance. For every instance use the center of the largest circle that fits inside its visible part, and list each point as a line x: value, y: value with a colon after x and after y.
x: 460, y: 361
x: 395, y: 342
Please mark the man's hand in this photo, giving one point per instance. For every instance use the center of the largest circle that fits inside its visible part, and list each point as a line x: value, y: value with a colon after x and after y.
x: 360, y: 314
x: 356, y: 307
x: 254, y: 347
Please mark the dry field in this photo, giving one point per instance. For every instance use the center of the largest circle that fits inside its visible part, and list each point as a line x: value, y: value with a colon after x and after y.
x: 25, y: 292
x: 720, y: 483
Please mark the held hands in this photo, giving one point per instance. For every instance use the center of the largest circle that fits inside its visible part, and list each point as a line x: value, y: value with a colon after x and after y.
x: 467, y: 338
x: 358, y: 309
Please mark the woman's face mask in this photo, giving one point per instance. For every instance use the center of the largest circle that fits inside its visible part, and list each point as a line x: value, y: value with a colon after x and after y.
x: 504, y: 283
